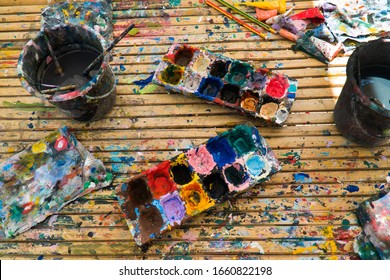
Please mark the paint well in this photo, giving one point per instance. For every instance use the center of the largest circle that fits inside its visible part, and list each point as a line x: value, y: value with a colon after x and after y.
x: 183, y: 56
x: 215, y: 186
x: 150, y: 222
x: 172, y: 74
x: 210, y: 87
x: 230, y: 93
x: 219, y: 68
x: 181, y: 174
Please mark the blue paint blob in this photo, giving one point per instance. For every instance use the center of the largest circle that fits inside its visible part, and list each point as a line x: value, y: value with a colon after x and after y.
x: 209, y: 88
x: 255, y: 165
x: 145, y: 82
x: 40, y: 257
x: 221, y: 151
x: 302, y: 178
x: 7, y: 167
x: 352, y: 188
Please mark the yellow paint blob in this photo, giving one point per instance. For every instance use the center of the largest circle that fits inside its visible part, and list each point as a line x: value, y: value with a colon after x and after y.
x: 195, y: 198
x: 38, y: 147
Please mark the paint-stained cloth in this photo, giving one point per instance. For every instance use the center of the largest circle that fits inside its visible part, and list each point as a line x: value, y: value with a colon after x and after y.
x: 357, y: 21
x: 374, y: 241
x: 95, y: 14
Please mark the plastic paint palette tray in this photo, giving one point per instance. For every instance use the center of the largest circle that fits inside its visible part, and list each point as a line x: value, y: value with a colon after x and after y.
x: 228, y: 82
x: 175, y: 190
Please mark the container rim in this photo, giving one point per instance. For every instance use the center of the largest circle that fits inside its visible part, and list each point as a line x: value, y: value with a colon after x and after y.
x: 69, y: 95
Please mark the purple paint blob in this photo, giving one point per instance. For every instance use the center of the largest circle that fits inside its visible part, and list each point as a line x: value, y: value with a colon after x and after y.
x: 173, y: 208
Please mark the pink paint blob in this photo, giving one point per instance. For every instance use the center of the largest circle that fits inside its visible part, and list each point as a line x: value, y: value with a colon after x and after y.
x: 201, y: 160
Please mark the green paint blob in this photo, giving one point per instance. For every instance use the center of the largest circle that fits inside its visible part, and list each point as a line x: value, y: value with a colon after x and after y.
x: 27, y: 106
x: 174, y: 2
x: 133, y: 31
x: 16, y: 212
x: 172, y: 74
x: 345, y: 224
x: 240, y: 138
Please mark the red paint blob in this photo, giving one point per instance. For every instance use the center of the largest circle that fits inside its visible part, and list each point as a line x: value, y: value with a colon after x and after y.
x: 27, y: 207
x: 277, y: 86
x: 159, y: 179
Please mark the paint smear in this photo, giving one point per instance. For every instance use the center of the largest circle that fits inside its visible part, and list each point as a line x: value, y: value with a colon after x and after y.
x: 352, y: 188
x: 302, y: 178
x: 143, y: 83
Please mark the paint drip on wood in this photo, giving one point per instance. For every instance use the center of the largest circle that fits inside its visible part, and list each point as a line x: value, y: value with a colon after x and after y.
x: 227, y: 82
x: 175, y: 190
x: 43, y: 178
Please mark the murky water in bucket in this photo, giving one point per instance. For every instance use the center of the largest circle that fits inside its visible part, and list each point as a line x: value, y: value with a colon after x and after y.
x: 375, y: 83
x: 72, y: 64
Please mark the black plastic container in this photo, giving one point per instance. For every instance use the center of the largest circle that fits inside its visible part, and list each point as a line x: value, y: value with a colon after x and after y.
x: 358, y: 115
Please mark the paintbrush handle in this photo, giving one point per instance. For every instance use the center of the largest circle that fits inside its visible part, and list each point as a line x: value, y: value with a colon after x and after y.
x: 226, y: 13
x: 52, y: 90
x: 247, y: 16
x: 57, y: 64
x: 110, y: 47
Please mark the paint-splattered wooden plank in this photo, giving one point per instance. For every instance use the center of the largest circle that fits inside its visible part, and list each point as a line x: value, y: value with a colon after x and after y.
x: 164, y: 248
x: 172, y: 104
x: 242, y: 256
x: 191, y: 133
x: 199, y: 233
x: 212, y: 218
x: 139, y: 99
x: 305, y: 165
x: 176, y: 144
x: 240, y: 204
x: 292, y: 157
x: 127, y: 70
x: 117, y: 145
x: 291, y: 190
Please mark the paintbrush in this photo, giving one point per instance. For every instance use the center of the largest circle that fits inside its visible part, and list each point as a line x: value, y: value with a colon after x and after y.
x: 239, y: 21
x: 282, y: 32
x: 58, y: 66
x: 116, y: 41
x: 53, y: 90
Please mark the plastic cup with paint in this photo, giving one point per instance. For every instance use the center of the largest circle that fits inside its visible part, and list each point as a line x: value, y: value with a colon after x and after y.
x: 75, y: 47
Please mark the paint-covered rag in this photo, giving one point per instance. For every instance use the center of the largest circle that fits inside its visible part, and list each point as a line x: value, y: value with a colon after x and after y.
x: 374, y: 241
x: 43, y: 178
x: 357, y: 21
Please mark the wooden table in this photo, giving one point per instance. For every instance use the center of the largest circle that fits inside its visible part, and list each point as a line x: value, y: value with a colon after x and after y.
x: 283, y: 219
